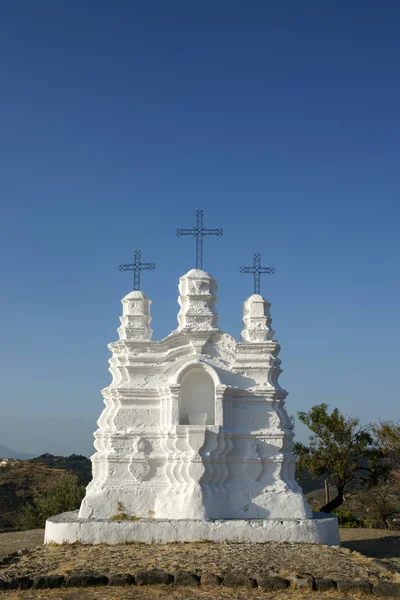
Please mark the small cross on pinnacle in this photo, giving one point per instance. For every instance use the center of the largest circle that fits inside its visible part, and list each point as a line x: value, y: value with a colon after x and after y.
x: 257, y: 270
x: 136, y: 267
x: 199, y: 232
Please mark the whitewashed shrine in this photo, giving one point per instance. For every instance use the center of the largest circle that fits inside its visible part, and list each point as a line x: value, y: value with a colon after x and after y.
x: 194, y: 442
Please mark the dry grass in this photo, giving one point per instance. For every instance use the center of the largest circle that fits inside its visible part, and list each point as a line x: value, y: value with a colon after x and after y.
x: 168, y: 593
x: 250, y: 559
x: 374, y: 542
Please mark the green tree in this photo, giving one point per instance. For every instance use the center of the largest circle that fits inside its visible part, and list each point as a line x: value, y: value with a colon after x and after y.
x: 382, y: 504
x: 387, y: 436
x: 383, y: 498
x: 64, y: 495
x: 338, y: 449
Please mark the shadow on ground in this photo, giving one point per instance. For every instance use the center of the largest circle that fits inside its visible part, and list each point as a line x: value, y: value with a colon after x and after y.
x: 385, y: 548
x: 15, y: 540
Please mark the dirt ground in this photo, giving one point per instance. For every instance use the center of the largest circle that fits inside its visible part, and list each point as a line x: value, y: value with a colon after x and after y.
x: 375, y: 543
x: 166, y: 593
x: 16, y: 540
x: 379, y: 544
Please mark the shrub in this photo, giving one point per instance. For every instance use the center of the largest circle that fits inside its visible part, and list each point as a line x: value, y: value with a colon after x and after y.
x: 348, y: 519
x: 65, y: 494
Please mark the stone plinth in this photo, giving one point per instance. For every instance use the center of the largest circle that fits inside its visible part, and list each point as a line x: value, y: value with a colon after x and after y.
x: 68, y: 528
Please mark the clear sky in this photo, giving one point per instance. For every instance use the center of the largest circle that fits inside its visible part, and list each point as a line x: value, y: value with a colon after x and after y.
x: 280, y: 119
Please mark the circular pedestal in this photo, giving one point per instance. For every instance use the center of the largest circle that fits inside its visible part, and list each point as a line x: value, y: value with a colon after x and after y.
x: 69, y: 528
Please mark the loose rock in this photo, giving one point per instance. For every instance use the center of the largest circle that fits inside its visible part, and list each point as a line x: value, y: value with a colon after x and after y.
x: 210, y: 579
x: 324, y: 585
x: 235, y: 580
x: 86, y: 580
x: 121, y: 579
x: 186, y: 578
x: 387, y: 588
x: 156, y: 577
x: 272, y: 582
x: 19, y: 583
x: 354, y: 586
x: 303, y: 582
x: 47, y: 581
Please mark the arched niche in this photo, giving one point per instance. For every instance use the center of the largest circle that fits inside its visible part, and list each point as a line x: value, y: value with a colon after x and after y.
x: 197, y: 398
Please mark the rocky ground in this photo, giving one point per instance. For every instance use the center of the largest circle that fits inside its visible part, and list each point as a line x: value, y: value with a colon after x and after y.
x: 11, y: 542
x: 165, y: 593
x: 374, y: 543
x: 286, y: 559
x: 250, y: 559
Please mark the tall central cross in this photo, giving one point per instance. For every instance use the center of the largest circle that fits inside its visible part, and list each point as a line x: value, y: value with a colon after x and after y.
x: 257, y: 271
x: 137, y: 266
x: 199, y: 232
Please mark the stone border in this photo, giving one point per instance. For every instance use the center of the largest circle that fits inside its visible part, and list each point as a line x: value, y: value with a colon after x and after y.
x: 231, y: 579
x: 13, y: 557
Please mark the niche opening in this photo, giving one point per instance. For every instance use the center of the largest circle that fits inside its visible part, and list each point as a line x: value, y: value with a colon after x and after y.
x: 197, y: 398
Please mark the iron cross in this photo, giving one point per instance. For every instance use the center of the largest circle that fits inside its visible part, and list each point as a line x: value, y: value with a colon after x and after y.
x: 199, y: 232
x: 257, y: 271
x: 136, y: 267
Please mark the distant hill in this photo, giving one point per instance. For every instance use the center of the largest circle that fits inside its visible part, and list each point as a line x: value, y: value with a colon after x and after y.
x: 8, y: 453
x: 22, y: 480
x: 75, y: 462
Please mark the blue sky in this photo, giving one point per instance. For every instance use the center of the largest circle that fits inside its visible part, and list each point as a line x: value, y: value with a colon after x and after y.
x: 119, y: 119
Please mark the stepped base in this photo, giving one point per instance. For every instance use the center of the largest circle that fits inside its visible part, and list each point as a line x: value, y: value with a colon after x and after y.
x: 69, y: 528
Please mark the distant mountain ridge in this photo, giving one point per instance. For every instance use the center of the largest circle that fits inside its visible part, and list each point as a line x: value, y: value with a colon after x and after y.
x: 77, y: 463
x: 8, y: 453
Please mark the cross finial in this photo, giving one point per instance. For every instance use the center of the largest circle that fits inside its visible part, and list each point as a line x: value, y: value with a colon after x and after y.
x: 257, y: 270
x: 136, y: 267
x: 199, y: 232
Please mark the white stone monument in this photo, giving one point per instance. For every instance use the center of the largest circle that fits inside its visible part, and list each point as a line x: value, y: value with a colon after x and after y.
x: 194, y: 442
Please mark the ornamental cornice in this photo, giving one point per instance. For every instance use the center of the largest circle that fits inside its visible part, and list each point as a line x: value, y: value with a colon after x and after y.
x: 139, y: 363
x: 134, y: 393
x: 266, y: 396
x: 273, y: 458
x: 110, y: 432
x: 174, y: 339
x: 131, y: 434
x: 121, y: 457
x: 264, y: 346
x: 254, y: 364
x: 260, y: 434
